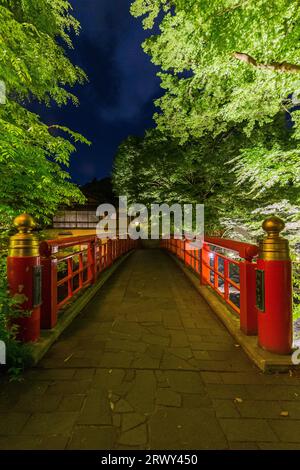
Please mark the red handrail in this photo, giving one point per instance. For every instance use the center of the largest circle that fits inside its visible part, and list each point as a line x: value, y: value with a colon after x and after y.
x: 205, y: 262
x: 80, y: 268
x: 245, y: 250
x: 48, y: 247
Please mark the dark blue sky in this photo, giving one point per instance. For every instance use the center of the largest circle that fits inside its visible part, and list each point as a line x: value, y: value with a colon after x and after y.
x: 118, y: 100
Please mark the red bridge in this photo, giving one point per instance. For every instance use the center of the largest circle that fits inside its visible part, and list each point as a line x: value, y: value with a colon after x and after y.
x: 167, y: 354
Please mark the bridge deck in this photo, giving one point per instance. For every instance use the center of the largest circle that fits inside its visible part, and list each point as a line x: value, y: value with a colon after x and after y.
x: 147, y: 365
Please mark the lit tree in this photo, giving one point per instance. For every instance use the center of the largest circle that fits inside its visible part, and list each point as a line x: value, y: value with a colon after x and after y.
x: 232, y: 66
x: 33, y: 66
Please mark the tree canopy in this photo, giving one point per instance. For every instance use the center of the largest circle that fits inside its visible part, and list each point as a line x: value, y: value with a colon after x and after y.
x: 34, y: 66
x: 230, y: 71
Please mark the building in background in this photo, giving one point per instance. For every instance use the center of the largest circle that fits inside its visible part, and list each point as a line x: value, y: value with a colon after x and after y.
x: 84, y: 216
x: 77, y: 217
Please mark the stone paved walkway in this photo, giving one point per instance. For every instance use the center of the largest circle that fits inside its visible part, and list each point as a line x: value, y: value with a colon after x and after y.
x: 147, y: 365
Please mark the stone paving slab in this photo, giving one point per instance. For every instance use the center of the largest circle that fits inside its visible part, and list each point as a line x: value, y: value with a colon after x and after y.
x: 147, y: 365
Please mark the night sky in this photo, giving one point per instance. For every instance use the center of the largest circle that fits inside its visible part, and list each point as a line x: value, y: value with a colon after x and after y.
x: 118, y: 100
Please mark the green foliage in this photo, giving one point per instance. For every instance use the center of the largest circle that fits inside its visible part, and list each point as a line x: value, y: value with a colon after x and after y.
x: 221, y: 93
x: 34, y: 157
x: 157, y: 169
x: 34, y: 66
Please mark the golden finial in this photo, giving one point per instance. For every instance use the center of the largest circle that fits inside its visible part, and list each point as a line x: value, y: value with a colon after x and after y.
x: 24, y: 243
x: 274, y: 247
x: 24, y: 223
x: 273, y: 226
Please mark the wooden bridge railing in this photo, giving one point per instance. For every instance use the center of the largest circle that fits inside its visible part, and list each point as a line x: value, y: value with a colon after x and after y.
x: 232, y: 276
x: 49, y: 274
x: 254, y: 281
x: 70, y: 265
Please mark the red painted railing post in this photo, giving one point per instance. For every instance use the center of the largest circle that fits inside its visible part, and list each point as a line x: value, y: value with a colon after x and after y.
x: 182, y: 246
x: 186, y: 253
x: 226, y: 280
x: 216, y: 270
x: 205, y: 263
x: 200, y: 263
x: 109, y: 252
x: 274, y: 290
x: 49, y: 287
x: 248, y: 310
x: 24, y: 277
x: 113, y: 250
x: 92, y: 260
x: 106, y: 254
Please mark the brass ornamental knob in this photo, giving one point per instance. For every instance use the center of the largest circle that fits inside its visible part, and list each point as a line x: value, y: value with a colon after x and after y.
x: 273, y: 246
x: 24, y: 243
x: 24, y: 223
x: 273, y: 226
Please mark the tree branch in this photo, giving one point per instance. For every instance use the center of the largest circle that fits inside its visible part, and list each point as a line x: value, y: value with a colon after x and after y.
x: 275, y: 66
x: 230, y: 9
